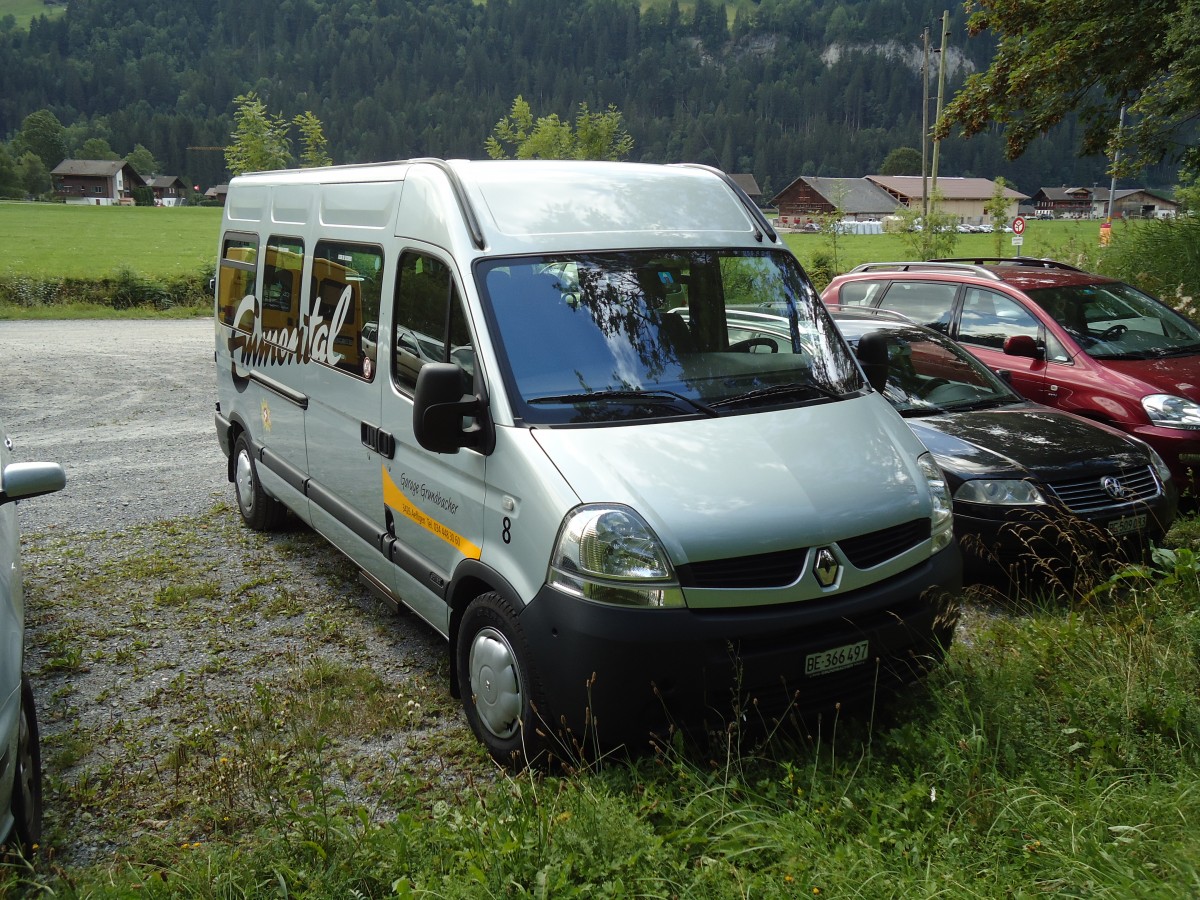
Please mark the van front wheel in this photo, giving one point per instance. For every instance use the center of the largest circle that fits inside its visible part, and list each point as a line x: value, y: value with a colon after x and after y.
x: 501, y: 691
x: 260, y: 511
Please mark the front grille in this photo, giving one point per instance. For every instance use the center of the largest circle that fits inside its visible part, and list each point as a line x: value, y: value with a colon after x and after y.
x: 784, y: 567
x: 869, y: 550
x: 763, y: 570
x: 1088, y: 495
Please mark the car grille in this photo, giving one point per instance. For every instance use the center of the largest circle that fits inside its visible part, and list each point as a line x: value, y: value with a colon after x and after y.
x: 759, y: 571
x: 869, y: 550
x: 779, y: 569
x: 1089, y: 495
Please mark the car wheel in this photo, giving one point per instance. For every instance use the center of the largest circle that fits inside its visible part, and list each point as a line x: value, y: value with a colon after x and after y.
x: 259, y: 510
x: 501, y: 692
x: 27, y: 778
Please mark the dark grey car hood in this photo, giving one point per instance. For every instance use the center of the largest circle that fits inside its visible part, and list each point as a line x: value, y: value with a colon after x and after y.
x: 1023, y: 440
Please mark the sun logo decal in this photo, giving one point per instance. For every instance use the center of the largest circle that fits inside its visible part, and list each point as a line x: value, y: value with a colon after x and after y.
x: 266, y: 416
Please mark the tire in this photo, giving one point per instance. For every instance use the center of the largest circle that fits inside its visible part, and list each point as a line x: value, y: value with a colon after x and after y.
x: 501, y: 691
x: 260, y: 511
x: 26, y: 800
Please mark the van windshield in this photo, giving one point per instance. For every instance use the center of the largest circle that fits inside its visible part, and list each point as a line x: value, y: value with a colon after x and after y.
x: 606, y: 337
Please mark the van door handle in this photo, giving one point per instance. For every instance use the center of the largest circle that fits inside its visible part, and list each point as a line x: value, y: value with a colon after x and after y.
x: 375, y: 438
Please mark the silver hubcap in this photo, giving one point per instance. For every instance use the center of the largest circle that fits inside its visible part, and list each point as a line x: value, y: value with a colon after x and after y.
x: 245, y: 481
x: 494, y: 683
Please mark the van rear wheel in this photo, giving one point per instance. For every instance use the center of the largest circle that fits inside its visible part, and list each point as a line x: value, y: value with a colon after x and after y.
x: 259, y: 510
x: 501, y: 692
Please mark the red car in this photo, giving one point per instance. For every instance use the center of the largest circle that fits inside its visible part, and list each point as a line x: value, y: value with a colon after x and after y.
x: 1079, y: 342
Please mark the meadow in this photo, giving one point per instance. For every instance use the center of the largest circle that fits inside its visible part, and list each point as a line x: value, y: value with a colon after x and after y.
x: 52, y: 240
x: 24, y: 10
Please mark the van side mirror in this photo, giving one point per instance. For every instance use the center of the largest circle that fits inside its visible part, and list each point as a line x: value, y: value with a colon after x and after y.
x: 440, y: 406
x: 873, y: 356
x: 1022, y: 345
x: 20, y: 481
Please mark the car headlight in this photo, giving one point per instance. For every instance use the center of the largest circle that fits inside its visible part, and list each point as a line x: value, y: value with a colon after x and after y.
x: 1169, y: 411
x: 1000, y: 492
x: 941, y: 517
x: 610, y: 555
x: 1160, y: 465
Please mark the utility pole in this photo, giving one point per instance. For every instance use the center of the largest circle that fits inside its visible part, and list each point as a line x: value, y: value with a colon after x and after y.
x: 941, y: 89
x: 1116, y: 161
x: 925, y: 129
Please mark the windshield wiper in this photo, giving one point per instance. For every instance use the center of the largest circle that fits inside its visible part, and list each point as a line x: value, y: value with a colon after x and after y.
x: 986, y: 403
x: 658, y: 396
x: 1181, y: 350
x: 775, y: 390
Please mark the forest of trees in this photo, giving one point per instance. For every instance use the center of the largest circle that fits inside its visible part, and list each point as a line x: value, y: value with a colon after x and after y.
x: 742, y: 87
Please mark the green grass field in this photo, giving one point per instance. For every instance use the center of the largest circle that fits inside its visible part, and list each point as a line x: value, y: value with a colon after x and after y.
x: 52, y: 240
x: 24, y: 10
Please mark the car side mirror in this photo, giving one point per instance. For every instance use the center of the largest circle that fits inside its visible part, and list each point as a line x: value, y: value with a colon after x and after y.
x: 439, y: 407
x: 873, y: 356
x: 23, y: 480
x: 1023, y: 345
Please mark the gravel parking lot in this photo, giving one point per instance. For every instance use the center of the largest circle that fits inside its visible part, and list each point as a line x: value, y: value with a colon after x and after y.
x: 126, y: 407
x: 172, y: 650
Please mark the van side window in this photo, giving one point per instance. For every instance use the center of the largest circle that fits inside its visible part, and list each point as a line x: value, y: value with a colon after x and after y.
x: 928, y: 303
x: 238, y: 272
x: 343, y: 292
x: 429, y: 322
x: 282, y: 265
x: 988, y: 318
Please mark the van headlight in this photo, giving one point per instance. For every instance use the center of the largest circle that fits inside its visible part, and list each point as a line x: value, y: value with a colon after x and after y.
x: 941, y: 517
x: 608, y: 554
x: 1169, y: 411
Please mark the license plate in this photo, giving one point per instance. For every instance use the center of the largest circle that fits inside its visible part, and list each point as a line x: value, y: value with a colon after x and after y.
x: 1127, y: 525
x: 835, y: 658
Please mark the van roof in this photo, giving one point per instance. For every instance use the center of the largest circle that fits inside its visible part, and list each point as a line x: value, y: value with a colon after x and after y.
x: 507, y: 202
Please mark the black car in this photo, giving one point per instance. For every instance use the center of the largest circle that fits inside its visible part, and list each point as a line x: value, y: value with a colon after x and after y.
x: 1038, y: 493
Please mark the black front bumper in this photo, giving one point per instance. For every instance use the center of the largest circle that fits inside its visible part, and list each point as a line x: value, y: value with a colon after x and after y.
x: 612, y: 675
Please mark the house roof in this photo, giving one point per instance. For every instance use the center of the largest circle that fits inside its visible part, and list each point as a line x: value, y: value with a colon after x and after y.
x: 1067, y: 193
x: 747, y: 183
x: 912, y: 187
x: 1123, y: 193
x: 164, y: 181
x: 856, y: 196
x: 97, y: 167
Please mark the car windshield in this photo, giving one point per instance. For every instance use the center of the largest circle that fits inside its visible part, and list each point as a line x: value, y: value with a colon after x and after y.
x: 930, y: 374
x: 1115, y: 321
x: 604, y: 337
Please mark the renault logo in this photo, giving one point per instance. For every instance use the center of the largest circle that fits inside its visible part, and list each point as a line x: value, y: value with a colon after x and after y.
x: 1113, y: 487
x: 826, y: 568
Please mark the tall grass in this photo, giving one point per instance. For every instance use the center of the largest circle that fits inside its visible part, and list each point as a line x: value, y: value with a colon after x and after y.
x: 1161, y: 257
x: 1057, y: 751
